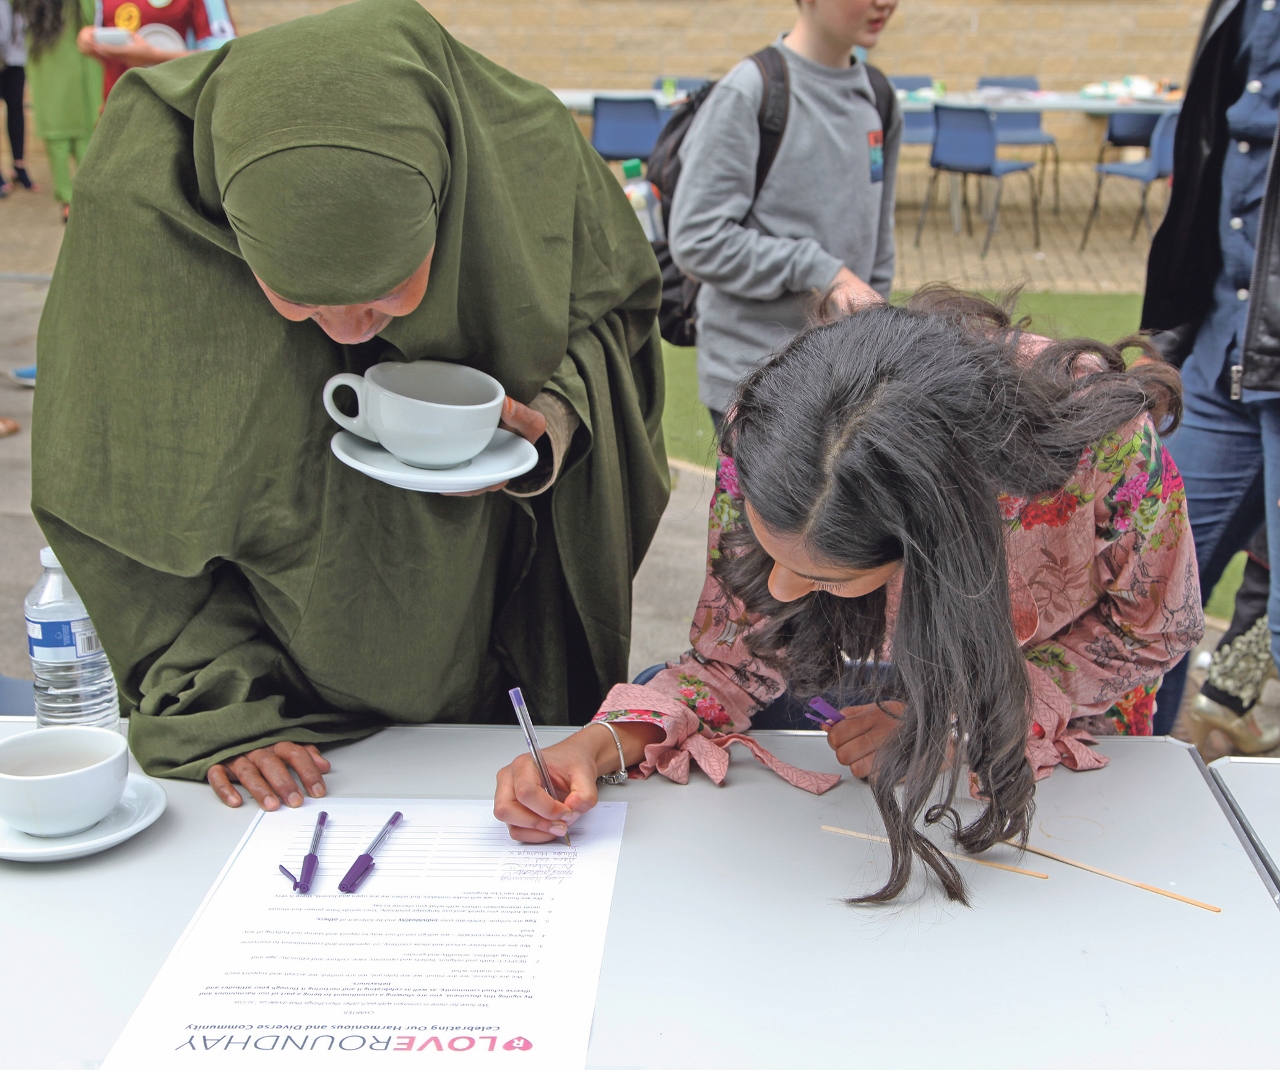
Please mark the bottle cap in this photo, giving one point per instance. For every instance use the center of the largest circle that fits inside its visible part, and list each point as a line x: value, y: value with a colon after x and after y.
x: 48, y: 559
x: 630, y: 168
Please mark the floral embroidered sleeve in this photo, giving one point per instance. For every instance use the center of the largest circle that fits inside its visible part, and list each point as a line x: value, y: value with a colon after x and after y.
x: 1129, y: 616
x: 705, y: 700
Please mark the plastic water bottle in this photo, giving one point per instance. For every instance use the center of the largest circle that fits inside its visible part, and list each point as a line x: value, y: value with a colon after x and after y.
x: 645, y: 199
x: 74, y: 684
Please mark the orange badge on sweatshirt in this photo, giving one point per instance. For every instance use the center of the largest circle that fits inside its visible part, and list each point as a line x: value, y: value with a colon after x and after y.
x: 128, y: 17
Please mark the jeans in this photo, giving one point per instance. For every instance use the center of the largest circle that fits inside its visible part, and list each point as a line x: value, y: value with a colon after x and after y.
x: 1229, y: 455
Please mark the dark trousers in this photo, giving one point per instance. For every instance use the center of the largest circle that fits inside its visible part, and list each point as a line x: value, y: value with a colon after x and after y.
x: 12, y: 82
x: 1229, y: 455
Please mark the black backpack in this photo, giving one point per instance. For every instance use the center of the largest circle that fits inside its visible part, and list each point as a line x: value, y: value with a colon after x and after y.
x: 678, y: 315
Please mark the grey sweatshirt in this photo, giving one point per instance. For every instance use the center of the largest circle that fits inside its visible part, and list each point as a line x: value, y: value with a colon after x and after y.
x: 818, y: 209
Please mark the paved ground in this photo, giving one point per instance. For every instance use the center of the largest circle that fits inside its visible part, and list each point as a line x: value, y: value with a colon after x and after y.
x: 1111, y: 264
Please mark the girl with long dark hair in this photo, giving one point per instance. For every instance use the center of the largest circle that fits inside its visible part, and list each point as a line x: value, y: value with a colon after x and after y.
x: 976, y: 529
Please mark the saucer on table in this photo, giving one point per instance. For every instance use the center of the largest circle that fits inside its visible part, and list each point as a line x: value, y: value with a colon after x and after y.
x: 142, y: 802
x: 506, y: 457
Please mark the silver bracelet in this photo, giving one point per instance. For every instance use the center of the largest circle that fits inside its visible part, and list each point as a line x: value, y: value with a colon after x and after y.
x: 620, y: 777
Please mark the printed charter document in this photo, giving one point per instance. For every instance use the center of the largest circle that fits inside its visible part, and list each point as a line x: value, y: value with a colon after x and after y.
x: 462, y: 947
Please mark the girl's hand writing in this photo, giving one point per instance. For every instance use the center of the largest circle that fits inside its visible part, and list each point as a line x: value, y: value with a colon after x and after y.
x: 530, y: 814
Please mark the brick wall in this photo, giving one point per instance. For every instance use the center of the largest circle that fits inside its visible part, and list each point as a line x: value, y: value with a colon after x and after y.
x: 627, y: 43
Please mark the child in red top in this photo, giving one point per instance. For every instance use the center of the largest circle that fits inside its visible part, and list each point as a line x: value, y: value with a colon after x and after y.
x: 162, y: 30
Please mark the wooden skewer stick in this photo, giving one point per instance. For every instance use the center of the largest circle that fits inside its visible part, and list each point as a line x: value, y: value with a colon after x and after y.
x: 958, y: 858
x: 1117, y: 877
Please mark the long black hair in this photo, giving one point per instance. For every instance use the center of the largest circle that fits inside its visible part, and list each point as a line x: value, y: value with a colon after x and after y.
x: 888, y: 435
x: 45, y: 21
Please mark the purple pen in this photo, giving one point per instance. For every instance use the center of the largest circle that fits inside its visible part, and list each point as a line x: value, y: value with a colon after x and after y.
x: 310, y: 860
x: 363, y: 866
x: 828, y: 711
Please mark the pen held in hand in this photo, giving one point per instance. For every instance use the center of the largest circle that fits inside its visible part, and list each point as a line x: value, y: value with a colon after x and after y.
x: 829, y: 715
x: 531, y: 738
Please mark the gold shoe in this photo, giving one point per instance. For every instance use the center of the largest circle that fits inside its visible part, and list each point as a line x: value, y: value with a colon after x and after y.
x: 1248, y: 736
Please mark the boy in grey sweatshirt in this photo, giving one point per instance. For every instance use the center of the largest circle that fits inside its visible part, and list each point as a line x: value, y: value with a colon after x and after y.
x: 824, y: 216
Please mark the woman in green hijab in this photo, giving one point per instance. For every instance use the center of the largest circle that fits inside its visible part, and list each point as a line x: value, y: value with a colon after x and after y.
x: 318, y: 197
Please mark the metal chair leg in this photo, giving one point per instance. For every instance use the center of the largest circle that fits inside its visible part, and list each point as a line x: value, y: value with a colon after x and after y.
x: 1057, y: 184
x: 964, y: 202
x: 1035, y: 210
x: 1142, y: 214
x: 924, y: 208
x: 995, y: 215
x: 1093, y: 212
x: 1044, y: 165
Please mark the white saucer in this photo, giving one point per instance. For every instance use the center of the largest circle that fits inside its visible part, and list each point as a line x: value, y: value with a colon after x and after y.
x: 158, y: 35
x: 143, y: 801
x: 506, y: 457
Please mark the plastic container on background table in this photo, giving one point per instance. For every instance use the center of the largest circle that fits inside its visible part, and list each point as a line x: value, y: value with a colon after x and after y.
x: 645, y: 199
x: 73, y: 684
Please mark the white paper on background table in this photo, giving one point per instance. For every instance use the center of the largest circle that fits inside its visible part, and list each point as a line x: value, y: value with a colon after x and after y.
x: 461, y: 942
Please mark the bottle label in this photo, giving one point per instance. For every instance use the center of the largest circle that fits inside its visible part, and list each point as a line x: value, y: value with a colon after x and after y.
x: 62, y: 640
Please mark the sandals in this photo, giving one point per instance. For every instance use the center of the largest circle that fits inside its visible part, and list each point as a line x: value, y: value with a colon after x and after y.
x: 8, y: 427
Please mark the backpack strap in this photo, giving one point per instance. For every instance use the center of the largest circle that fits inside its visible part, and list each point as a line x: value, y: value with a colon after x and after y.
x: 774, y: 105
x: 886, y: 98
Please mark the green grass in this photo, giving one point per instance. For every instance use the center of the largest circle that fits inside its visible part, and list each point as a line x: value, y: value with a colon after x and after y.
x: 1105, y: 316
x: 685, y: 422
x: 1222, y: 602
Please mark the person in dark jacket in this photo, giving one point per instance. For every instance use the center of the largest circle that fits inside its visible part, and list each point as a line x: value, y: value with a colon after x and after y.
x: 1213, y: 296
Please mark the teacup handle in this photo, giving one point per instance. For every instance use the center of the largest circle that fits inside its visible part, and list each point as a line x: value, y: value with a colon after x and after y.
x: 358, y: 424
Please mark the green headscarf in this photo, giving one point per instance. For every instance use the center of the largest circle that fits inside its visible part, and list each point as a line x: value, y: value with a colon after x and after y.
x: 299, y: 232
x: 247, y: 586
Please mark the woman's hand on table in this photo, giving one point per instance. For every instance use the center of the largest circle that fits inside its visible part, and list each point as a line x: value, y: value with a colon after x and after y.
x: 269, y: 772
x: 863, y: 730
x: 533, y: 816
x: 520, y: 420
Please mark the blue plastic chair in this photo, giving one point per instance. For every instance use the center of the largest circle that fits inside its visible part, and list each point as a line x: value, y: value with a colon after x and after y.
x: 625, y: 128
x: 917, y: 126
x: 1023, y: 127
x: 1157, y: 165
x: 965, y: 143
x: 1128, y: 130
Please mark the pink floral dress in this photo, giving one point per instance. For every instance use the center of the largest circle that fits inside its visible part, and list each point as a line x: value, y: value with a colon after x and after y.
x: 1105, y: 597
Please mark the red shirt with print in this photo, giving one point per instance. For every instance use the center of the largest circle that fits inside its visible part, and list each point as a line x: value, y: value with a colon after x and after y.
x: 133, y: 15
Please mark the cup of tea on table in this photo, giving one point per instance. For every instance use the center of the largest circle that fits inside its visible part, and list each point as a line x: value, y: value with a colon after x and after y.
x: 59, y: 781
x: 427, y: 413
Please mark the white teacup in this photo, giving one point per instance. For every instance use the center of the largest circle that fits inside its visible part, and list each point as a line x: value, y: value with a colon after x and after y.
x: 56, y: 781
x: 428, y: 414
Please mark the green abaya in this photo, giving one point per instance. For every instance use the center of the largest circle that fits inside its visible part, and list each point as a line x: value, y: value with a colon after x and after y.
x: 247, y: 586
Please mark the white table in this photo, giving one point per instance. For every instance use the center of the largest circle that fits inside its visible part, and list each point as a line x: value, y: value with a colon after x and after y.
x: 1251, y: 790
x: 728, y: 945
x: 1045, y: 101
x: 583, y: 100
